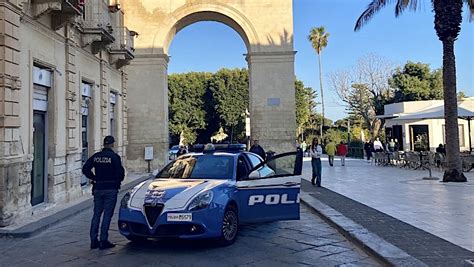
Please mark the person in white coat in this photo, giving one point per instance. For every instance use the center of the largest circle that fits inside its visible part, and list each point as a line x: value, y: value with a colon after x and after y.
x: 316, y: 152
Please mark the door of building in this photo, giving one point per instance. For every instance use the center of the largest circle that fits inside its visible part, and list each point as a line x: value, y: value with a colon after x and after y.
x: 41, y: 85
x: 397, y: 134
x: 38, y: 170
x: 86, y: 93
x: 419, y: 138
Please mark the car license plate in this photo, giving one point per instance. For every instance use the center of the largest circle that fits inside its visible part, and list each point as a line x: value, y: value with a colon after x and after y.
x: 180, y: 217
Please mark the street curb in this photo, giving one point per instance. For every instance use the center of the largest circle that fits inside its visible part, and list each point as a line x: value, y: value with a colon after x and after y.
x: 384, y: 251
x: 36, y: 227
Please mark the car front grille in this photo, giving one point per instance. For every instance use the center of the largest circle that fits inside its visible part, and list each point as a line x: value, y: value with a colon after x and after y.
x: 152, y: 212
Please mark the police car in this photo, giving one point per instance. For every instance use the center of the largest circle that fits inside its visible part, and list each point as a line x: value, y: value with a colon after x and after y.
x: 208, y: 194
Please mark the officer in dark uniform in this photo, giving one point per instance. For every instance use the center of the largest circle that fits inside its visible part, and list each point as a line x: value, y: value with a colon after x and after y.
x: 106, y: 179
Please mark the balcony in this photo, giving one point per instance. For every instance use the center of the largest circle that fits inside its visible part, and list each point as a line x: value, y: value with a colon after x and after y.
x: 62, y: 11
x: 122, y: 50
x: 97, y: 26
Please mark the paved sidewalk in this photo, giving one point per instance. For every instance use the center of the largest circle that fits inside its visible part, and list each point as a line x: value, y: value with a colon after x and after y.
x: 426, y: 247
x: 443, y: 209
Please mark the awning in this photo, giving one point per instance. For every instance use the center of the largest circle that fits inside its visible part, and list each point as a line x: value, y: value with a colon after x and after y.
x: 389, y: 116
x: 436, y: 113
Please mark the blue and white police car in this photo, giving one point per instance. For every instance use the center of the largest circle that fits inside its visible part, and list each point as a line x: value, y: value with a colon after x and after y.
x: 208, y: 194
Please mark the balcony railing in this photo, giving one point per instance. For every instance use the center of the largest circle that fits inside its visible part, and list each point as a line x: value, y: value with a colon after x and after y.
x: 122, y: 50
x: 97, y: 25
x: 62, y: 11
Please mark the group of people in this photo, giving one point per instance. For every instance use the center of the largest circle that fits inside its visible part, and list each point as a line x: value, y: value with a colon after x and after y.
x: 378, y: 146
x: 316, y: 152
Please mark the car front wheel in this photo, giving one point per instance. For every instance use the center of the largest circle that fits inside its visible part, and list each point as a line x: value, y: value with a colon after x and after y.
x: 230, y: 226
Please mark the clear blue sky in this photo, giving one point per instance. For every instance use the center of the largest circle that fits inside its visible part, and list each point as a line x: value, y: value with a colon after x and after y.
x: 209, y: 46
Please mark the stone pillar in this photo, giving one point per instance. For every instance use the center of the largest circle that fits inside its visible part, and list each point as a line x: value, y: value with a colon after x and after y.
x: 73, y: 151
x: 15, y: 163
x: 123, y: 108
x: 272, y: 99
x: 147, y: 99
x: 104, y: 101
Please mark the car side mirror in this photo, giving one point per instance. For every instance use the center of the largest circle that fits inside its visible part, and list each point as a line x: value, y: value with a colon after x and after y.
x: 254, y: 175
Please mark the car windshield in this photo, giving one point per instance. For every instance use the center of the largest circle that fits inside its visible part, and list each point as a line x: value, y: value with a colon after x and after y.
x: 200, y: 167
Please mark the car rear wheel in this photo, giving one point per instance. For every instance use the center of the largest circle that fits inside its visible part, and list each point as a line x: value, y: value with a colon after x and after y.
x: 230, y: 226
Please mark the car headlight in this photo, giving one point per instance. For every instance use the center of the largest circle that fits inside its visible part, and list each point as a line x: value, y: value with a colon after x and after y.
x: 201, y: 201
x: 125, y: 200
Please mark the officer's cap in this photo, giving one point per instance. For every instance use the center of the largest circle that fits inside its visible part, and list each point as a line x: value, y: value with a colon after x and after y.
x: 108, y: 140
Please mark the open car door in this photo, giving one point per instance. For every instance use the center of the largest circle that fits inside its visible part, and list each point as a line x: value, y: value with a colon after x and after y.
x: 271, y: 191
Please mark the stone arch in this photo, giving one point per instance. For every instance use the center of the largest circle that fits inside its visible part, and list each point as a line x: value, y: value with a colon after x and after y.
x: 266, y: 29
x: 218, y: 12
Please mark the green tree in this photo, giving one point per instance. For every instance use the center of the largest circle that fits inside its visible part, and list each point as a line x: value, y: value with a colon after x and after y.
x: 447, y: 24
x: 230, y: 92
x: 319, y: 40
x: 416, y: 81
x: 304, y: 97
x: 186, y: 104
x: 461, y: 95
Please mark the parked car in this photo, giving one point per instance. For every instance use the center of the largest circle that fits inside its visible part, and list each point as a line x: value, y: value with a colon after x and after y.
x: 208, y: 194
x: 173, y: 151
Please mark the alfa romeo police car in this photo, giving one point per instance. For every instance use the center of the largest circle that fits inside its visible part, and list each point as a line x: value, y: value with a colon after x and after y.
x: 208, y: 194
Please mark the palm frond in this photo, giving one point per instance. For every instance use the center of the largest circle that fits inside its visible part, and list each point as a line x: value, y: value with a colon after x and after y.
x: 402, y: 5
x: 470, y: 5
x: 371, y: 10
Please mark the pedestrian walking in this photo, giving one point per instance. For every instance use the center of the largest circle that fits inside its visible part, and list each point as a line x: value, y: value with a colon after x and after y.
x: 368, y: 150
x: 378, y: 146
x: 391, y: 145
x: 316, y: 152
x: 106, y: 179
x: 304, y: 146
x: 331, y: 151
x: 257, y: 149
x: 342, y: 152
x: 397, y: 145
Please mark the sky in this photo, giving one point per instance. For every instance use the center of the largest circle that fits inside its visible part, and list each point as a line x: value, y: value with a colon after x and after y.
x: 209, y: 46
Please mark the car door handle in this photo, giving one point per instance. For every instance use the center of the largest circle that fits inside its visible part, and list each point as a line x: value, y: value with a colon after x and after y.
x: 290, y: 184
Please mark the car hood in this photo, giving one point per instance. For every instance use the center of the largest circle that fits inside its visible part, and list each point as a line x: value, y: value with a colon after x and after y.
x: 174, y: 193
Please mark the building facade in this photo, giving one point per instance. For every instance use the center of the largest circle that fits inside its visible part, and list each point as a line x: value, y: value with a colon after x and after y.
x: 405, y: 122
x: 62, y: 90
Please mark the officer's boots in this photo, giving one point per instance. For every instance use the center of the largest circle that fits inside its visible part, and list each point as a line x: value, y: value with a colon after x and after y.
x: 106, y: 244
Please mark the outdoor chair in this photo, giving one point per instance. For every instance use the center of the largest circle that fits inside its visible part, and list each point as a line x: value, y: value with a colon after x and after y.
x: 440, y: 160
x: 467, y: 162
x: 413, y: 160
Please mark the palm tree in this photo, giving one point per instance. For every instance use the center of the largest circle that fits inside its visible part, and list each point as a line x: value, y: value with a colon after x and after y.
x: 447, y: 23
x: 319, y: 40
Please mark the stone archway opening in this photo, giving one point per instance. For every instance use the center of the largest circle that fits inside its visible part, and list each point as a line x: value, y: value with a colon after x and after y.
x: 267, y: 34
x: 207, y: 66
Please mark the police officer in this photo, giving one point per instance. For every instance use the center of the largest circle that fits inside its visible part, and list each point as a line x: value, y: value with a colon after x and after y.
x: 106, y: 179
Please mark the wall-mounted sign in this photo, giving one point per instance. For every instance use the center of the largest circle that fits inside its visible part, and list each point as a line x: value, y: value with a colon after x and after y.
x: 86, y: 89
x: 113, y: 98
x: 149, y: 153
x: 42, y: 76
x: 273, y: 102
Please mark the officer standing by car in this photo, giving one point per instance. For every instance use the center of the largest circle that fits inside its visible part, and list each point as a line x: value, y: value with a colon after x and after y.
x: 106, y: 179
x: 257, y: 149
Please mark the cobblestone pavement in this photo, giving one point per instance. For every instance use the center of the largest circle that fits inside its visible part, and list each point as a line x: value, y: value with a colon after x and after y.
x: 309, y: 241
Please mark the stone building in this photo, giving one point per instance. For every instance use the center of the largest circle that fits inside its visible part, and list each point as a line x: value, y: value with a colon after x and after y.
x: 62, y: 89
